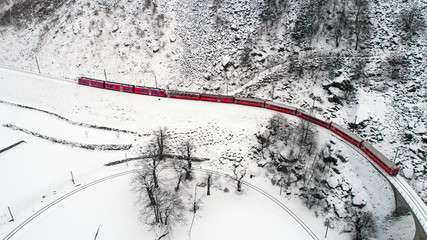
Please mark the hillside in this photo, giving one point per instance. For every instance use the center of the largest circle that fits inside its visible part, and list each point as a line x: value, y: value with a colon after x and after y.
x: 349, y: 62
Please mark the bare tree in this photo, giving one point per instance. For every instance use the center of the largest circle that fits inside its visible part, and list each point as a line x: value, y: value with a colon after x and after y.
x: 181, y: 171
x: 162, y: 205
x: 361, y: 23
x: 364, y: 225
x: 209, y: 184
x: 412, y: 21
x: 160, y: 146
x: 263, y: 140
x: 307, y: 138
x: 239, y: 173
x: 187, y: 148
x: 153, y: 163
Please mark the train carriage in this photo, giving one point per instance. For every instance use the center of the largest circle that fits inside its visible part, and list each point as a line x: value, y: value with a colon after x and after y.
x: 142, y: 90
x: 128, y: 88
x: 353, y: 138
x: 84, y: 81
x: 184, y: 95
x: 368, y: 149
x: 158, y: 92
x: 91, y: 82
x: 249, y: 101
x: 150, y: 91
x: 281, y: 108
x: 216, y: 98
x: 380, y: 159
x: 122, y: 87
x: 313, y: 119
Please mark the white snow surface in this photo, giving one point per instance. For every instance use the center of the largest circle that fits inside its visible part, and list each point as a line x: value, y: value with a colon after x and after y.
x: 38, y: 171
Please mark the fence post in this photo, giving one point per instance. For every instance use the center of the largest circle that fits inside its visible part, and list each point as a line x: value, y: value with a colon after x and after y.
x: 72, y: 177
x: 10, y: 212
x: 37, y: 62
x: 105, y: 75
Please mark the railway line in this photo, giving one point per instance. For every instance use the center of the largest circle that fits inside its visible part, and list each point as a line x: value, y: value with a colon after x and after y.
x: 414, y: 201
x: 27, y: 221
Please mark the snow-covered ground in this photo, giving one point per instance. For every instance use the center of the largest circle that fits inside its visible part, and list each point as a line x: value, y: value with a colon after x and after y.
x: 190, y: 45
x: 38, y: 171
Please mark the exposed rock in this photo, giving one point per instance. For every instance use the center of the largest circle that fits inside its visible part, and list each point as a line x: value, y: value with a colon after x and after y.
x: 335, y: 99
x: 330, y: 159
x: 115, y: 28
x: 225, y: 60
x: 340, y: 210
x: 332, y: 182
x: 408, y: 173
x: 419, y: 130
x: 358, y: 200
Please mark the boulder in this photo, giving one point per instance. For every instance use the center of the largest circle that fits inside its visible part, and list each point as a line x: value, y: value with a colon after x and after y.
x: 332, y: 182
x: 358, y: 200
x: 225, y: 60
x: 408, y: 173
x: 420, y: 129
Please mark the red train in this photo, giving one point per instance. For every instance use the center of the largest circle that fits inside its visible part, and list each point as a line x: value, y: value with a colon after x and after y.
x: 367, y: 148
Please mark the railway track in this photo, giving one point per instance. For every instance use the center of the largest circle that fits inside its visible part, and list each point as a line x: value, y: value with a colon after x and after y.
x: 60, y: 199
x: 269, y: 196
x: 63, y: 78
x: 414, y: 201
x: 77, y: 190
x: 416, y: 204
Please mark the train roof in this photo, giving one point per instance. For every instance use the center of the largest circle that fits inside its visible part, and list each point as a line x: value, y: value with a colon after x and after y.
x: 124, y: 84
x: 249, y: 99
x: 153, y: 88
x: 354, y: 136
x: 215, y: 95
x: 379, y: 155
x: 93, y: 79
x: 281, y: 105
x: 175, y: 91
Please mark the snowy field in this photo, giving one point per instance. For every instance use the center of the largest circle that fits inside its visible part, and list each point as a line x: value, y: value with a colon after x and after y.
x: 38, y: 171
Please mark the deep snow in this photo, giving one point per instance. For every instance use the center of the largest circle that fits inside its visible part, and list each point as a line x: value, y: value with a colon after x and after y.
x: 217, y: 130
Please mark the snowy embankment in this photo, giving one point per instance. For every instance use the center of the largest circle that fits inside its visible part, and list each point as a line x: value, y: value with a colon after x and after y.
x: 40, y: 169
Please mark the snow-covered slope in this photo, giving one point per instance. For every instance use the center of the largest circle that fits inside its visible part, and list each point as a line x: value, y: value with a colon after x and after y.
x: 262, y: 49
x: 221, y: 132
x: 302, y: 53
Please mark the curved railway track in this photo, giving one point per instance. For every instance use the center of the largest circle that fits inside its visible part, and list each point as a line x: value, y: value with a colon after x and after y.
x: 60, y: 199
x: 411, y: 197
x: 414, y: 201
x: 77, y: 190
